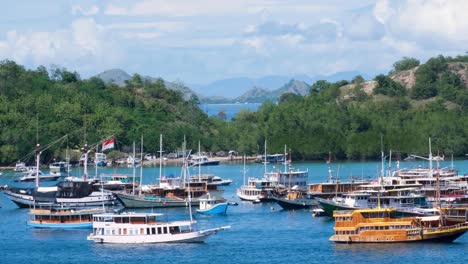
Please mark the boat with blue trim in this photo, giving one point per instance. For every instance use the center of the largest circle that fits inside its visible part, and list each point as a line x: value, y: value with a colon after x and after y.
x: 62, y: 218
x: 212, y: 206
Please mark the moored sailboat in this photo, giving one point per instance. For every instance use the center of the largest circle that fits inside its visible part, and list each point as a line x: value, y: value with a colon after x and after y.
x: 133, y: 228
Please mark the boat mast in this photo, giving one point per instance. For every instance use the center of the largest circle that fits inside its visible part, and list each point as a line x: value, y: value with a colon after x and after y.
x: 85, y: 162
x: 244, y: 171
x: 160, y: 157
x: 330, y: 172
x: 285, y: 160
x: 265, y: 161
x: 141, y: 166
x: 389, y: 164
x: 185, y: 174
x: 382, y: 157
x: 199, y: 161
x: 96, y: 160
x: 133, y: 165
x: 38, y: 155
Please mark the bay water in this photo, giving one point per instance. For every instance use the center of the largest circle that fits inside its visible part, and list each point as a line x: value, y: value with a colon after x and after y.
x: 260, y: 233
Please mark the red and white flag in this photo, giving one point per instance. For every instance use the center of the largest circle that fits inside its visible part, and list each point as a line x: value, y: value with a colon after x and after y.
x: 108, y: 144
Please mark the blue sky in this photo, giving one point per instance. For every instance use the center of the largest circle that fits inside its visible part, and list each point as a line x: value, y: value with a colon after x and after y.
x: 206, y: 40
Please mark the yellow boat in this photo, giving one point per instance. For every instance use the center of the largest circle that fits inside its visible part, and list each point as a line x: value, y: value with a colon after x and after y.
x: 384, y: 225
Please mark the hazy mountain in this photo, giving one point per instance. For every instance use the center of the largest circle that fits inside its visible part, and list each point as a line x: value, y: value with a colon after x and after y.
x: 235, y: 87
x: 117, y: 76
x: 259, y: 95
x: 240, y: 89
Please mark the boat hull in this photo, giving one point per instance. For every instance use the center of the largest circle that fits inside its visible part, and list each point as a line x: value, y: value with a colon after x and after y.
x: 447, y: 235
x: 291, y: 204
x: 188, y: 237
x: 220, y: 208
x: 329, y: 206
x: 132, y: 201
x: 86, y: 225
x: 28, y: 201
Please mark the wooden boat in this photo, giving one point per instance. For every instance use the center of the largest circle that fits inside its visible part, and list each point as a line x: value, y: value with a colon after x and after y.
x: 62, y: 218
x: 136, y: 228
x: 384, y: 225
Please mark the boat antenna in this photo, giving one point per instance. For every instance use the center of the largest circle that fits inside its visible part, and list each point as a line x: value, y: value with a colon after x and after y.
x: 160, y: 157
x: 141, y: 167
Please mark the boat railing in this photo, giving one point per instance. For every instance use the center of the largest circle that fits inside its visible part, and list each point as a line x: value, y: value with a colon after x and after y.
x: 444, y: 228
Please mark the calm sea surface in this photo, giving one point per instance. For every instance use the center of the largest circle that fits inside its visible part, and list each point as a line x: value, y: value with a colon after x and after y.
x: 230, y: 110
x: 260, y: 233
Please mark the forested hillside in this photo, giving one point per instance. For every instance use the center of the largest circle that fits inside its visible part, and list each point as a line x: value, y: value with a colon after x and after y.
x: 349, y: 118
x: 53, y: 103
x: 406, y: 107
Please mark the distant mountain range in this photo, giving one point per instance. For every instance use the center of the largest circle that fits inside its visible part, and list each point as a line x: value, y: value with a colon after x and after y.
x: 242, y: 89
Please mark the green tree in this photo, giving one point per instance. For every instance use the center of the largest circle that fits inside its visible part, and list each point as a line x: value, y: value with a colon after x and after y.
x: 406, y: 63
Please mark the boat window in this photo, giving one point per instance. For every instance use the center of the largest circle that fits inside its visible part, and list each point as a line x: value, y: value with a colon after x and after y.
x: 159, y: 230
x: 125, y: 231
x: 386, y: 228
x: 153, y: 230
x: 165, y: 230
x: 148, y: 231
x: 142, y: 231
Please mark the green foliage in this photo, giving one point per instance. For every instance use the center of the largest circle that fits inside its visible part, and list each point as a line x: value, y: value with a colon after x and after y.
x: 52, y: 104
x: 358, y: 79
x: 387, y: 86
x: 32, y: 102
x: 427, y: 76
x: 405, y: 64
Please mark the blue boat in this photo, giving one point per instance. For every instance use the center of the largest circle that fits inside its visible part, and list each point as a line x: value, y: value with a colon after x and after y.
x: 63, y: 218
x: 211, y: 206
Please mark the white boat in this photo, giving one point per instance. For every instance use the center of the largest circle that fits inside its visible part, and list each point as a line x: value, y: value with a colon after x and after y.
x: 100, y: 159
x: 20, y: 167
x: 200, y: 160
x: 211, y: 206
x: 138, y: 228
x: 59, y: 168
x: 31, y: 176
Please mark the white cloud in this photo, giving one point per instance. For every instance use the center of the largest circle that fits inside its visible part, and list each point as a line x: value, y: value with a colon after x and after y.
x: 81, y: 46
x: 164, y: 26
x: 140, y: 35
x: 437, y: 22
x: 112, y: 10
x: 93, y: 10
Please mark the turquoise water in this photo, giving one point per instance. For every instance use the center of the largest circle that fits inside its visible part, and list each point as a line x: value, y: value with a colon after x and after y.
x: 260, y: 233
x: 230, y: 110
